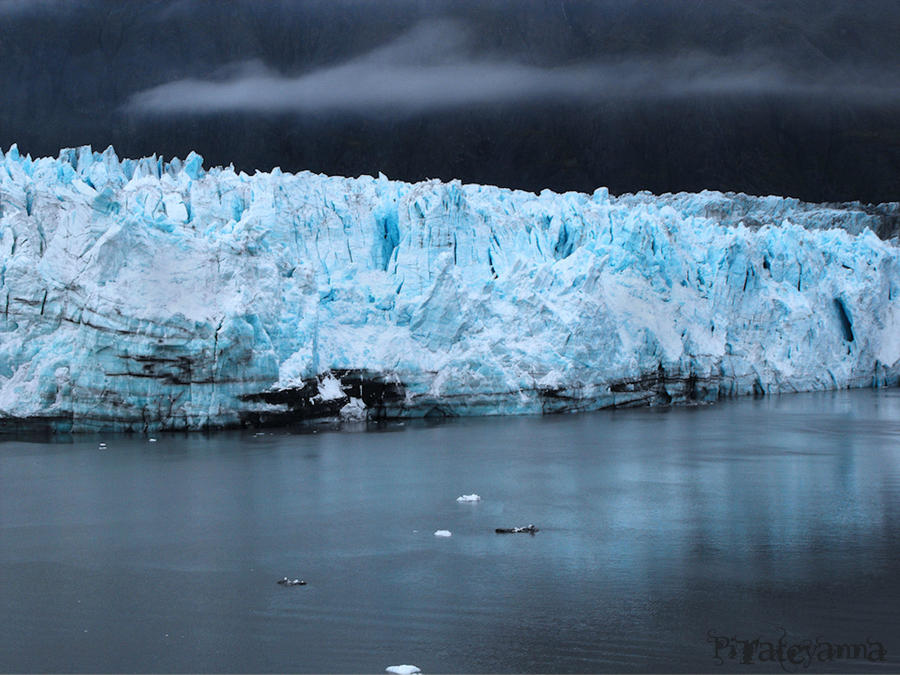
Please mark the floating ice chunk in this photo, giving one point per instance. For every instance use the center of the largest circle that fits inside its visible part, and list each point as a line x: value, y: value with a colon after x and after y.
x: 442, y: 533
x: 403, y: 670
x: 354, y: 411
x: 468, y: 498
x: 153, y: 440
x: 529, y: 529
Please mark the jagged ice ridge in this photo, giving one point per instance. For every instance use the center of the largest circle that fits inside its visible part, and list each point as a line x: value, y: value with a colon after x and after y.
x: 145, y: 295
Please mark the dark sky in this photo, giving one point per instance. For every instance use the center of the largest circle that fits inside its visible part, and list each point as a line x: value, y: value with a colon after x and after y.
x: 793, y: 97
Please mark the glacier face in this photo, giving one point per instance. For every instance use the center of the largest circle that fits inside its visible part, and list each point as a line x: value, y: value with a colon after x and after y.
x: 138, y: 294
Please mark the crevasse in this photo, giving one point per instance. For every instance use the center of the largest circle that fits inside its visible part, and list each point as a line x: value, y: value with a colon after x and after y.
x: 145, y: 295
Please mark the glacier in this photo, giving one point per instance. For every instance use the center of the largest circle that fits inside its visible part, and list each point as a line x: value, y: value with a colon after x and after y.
x: 148, y: 295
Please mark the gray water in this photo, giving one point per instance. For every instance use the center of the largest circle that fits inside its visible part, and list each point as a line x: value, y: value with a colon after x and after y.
x: 658, y: 530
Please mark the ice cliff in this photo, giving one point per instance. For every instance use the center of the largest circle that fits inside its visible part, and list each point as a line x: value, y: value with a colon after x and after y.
x: 140, y: 294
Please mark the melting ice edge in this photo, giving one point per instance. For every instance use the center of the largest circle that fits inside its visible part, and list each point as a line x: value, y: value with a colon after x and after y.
x: 148, y: 295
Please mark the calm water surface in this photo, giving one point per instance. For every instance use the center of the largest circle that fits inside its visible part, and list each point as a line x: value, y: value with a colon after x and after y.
x: 657, y: 527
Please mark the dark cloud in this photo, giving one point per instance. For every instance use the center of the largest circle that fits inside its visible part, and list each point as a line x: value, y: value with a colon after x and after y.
x: 12, y: 7
x: 795, y: 97
x: 57, y: 10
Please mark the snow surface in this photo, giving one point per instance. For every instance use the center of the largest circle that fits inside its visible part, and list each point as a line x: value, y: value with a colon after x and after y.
x: 145, y: 295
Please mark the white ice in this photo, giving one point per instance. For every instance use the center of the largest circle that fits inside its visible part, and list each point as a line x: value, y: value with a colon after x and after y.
x: 147, y: 295
x: 403, y: 670
x: 354, y: 411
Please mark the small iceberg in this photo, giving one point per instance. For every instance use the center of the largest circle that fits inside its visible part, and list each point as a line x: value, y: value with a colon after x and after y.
x: 468, y: 498
x: 531, y: 529
x: 403, y: 670
x: 291, y: 582
x: 153, y: 440
x: 443, y: 533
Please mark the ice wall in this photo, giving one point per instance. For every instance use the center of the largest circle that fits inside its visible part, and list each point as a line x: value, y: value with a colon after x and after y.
x: 138, y: 294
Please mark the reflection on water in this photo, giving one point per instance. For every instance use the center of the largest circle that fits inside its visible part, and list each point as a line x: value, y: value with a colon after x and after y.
x: 657, y: 527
